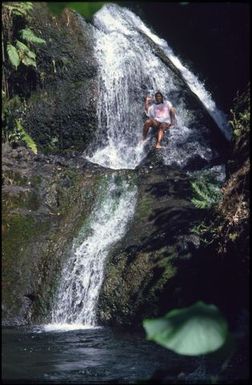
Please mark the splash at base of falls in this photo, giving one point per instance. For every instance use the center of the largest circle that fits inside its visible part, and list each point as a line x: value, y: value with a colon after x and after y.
x: 64, y: 327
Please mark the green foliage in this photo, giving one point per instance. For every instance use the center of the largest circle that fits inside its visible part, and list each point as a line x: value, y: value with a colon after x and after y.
x: 26, y: 137
x: 196, y: 330
x: 200, y: 229
x: 206, y: 194
x: 206, y: 231
x: 14, y: 136
x: 27, y: 56
x: 13, y: 55
x: 20, y: 52
x: 23, y: 49
x: 19, y: 8
x: 233, y: 236
x: 9, y: 131
x: 28, y: 35
x: 15, y: 132
x: 241, y: 113
x: 86, y: 9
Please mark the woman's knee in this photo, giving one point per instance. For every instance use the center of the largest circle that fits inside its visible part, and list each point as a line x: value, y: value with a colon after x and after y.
x: 150, y: 123
x: 164, y: 126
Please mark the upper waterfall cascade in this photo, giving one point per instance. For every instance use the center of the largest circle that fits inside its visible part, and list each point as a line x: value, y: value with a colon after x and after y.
x: 128, y: 70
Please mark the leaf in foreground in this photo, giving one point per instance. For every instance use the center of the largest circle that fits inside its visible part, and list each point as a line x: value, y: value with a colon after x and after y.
x: 198, y: 329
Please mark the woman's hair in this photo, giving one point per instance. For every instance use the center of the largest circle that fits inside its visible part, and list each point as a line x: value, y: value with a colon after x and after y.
x: 159, y: 93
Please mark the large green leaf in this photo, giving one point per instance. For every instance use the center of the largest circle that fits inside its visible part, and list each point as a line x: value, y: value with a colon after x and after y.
x: 22, y: 48
x: 28, y: 35
x: 13, y: 55
x: 28, y: 61
x: 198, y: 329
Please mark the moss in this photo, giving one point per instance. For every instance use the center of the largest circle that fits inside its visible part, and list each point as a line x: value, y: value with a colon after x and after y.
x: 35, y: 245
x: 27, y: 199
x: 12, y: 177
x: 168, y: 272
x: 75, y: 205
x: 144, y: 208
x: 16, y: 262
x: 36, y: 180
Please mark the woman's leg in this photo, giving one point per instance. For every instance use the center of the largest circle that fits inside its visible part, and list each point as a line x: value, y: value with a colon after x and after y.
x: 160, y: 133
x: 149, y: 123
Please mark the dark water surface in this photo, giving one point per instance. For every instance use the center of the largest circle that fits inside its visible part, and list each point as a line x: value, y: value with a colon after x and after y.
x: 80, y: 356
x: 103, y: 355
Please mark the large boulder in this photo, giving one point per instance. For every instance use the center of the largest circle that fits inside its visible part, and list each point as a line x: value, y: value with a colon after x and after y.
x: 60, y: 111
x: 146, y: 272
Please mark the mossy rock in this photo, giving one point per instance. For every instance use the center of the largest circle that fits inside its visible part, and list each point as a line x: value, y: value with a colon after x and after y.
x: 44, y: 207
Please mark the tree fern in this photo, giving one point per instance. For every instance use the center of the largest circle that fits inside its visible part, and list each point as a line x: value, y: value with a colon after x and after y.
x: 26, y: 137
x: 28, y: 35
x: 13, y: 55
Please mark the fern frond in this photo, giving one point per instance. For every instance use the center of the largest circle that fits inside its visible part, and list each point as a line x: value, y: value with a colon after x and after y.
x: 199, y: 204
x: 206, y: 194
x: 26, y: 137
x: 200, y: 189
x: 13, y: 55
x: 28, y: 35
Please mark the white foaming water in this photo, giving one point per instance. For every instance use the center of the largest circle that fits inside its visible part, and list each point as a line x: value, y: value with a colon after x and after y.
x: 82, y: 276
x: 127, y: 69
x: 64, y: 327
x: 192, y: 81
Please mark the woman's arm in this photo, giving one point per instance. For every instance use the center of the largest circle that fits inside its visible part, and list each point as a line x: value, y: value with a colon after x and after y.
x: 173, y: 116
x: 147, y: 103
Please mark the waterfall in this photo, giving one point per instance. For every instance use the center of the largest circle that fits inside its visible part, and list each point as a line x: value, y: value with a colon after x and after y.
x: 82, y: 275
x: 128, y: 69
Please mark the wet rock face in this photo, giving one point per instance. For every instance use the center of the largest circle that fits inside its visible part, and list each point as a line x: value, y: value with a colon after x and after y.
x: 151, y: 269
x: 45, y: 200
x: 61, y: 110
